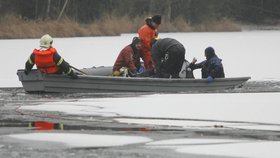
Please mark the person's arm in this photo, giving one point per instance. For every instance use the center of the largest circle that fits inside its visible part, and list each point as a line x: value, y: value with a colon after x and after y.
x: 137, y: 63
x: 64, y: 66
x: 128, y: 59
x: 194, y: 66
x: 29, y: 64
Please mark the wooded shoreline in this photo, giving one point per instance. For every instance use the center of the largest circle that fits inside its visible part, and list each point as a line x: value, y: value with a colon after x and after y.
x: 83, y: 18
x: 13, y: 27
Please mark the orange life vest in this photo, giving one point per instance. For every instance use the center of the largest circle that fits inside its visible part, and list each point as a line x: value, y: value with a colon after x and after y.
x: 44, y: 60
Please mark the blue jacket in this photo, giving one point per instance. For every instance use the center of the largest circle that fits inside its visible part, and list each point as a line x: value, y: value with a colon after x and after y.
x: 211, y: 67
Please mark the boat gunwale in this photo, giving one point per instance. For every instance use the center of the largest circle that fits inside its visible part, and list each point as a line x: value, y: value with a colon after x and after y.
x: 140, y: 79
x: 38, y: 81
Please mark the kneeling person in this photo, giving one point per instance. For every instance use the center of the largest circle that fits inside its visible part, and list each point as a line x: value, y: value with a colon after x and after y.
x: 129, y: 58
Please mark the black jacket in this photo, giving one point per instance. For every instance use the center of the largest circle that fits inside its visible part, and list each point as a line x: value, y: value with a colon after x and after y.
x: 168, y: 55
x: 161, y: 48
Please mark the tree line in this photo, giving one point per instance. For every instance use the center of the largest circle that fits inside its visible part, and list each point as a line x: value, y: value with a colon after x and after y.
x: 192, y: 11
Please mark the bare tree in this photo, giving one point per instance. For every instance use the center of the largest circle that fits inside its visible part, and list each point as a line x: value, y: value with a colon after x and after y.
x: 62, y: 10
x: 48, y: 9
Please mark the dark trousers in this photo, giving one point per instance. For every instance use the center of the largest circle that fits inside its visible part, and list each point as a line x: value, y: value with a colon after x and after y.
x: 205, y: 73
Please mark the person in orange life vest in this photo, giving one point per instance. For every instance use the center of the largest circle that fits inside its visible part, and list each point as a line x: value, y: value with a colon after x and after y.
x: 147, y: 33
x: 48, y: 60
x: 129, y: 57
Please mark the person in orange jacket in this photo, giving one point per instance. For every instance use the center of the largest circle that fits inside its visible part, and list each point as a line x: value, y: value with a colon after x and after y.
x: 48, y: 60
x: 148, y: 33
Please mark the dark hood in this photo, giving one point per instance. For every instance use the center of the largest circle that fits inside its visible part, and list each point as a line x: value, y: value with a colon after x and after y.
x: 209, y: 52
x: 149, y: 22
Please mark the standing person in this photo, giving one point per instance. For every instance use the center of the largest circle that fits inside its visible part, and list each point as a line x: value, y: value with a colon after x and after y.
x: 129, y: 57
x: 48, y: 60
x: 168, y: 55
x: 211, y: 68
x: 147, y: 33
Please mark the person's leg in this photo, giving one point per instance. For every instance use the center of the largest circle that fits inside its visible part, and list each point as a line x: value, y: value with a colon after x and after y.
x: 177, y: 57
x: 163, y: 73
x: 147, y: 58
x: 180, y: 61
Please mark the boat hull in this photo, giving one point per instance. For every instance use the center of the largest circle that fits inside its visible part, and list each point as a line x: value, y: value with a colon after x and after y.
x: 39, y: 82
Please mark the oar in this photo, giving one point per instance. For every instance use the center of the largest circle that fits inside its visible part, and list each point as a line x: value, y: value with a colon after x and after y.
x: 78, y: 70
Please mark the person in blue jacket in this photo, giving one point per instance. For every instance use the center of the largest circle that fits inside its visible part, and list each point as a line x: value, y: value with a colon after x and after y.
x: 211, y: 68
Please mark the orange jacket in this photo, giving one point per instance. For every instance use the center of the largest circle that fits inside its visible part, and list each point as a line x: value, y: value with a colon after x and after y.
x: 44, y: 60
x: 147, y: 34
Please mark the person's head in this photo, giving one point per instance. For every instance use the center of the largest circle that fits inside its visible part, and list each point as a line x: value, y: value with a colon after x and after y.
x: 209, y: 52
x: 156, y: 21
x: 46, y: 41
x: 136, y: 43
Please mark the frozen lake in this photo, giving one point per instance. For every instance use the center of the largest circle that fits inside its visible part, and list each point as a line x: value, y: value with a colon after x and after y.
x: 254, y: 53
x: 240, y: 124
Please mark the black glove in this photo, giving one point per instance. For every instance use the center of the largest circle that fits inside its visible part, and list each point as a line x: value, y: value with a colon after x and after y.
x: 73, y: 75
x: 26, y: 72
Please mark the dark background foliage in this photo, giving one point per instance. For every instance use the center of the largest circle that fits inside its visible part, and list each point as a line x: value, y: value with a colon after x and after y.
x: 193, y: 11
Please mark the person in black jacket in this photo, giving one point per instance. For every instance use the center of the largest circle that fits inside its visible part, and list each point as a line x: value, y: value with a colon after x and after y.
x: 211, y: 68
x: 168, y: 55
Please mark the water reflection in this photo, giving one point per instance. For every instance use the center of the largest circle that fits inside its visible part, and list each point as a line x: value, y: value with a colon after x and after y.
x: 41, y: 125
x: 45, y: 125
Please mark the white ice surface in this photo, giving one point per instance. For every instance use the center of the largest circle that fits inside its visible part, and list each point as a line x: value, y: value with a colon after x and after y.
x: 199, y: 124
x: 244, y: 107
x: 251, y: 53
x: 79, y: 140
x: 221, y: 147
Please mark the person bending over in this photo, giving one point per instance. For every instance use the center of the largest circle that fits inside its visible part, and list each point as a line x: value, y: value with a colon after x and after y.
x: 168, y: 55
